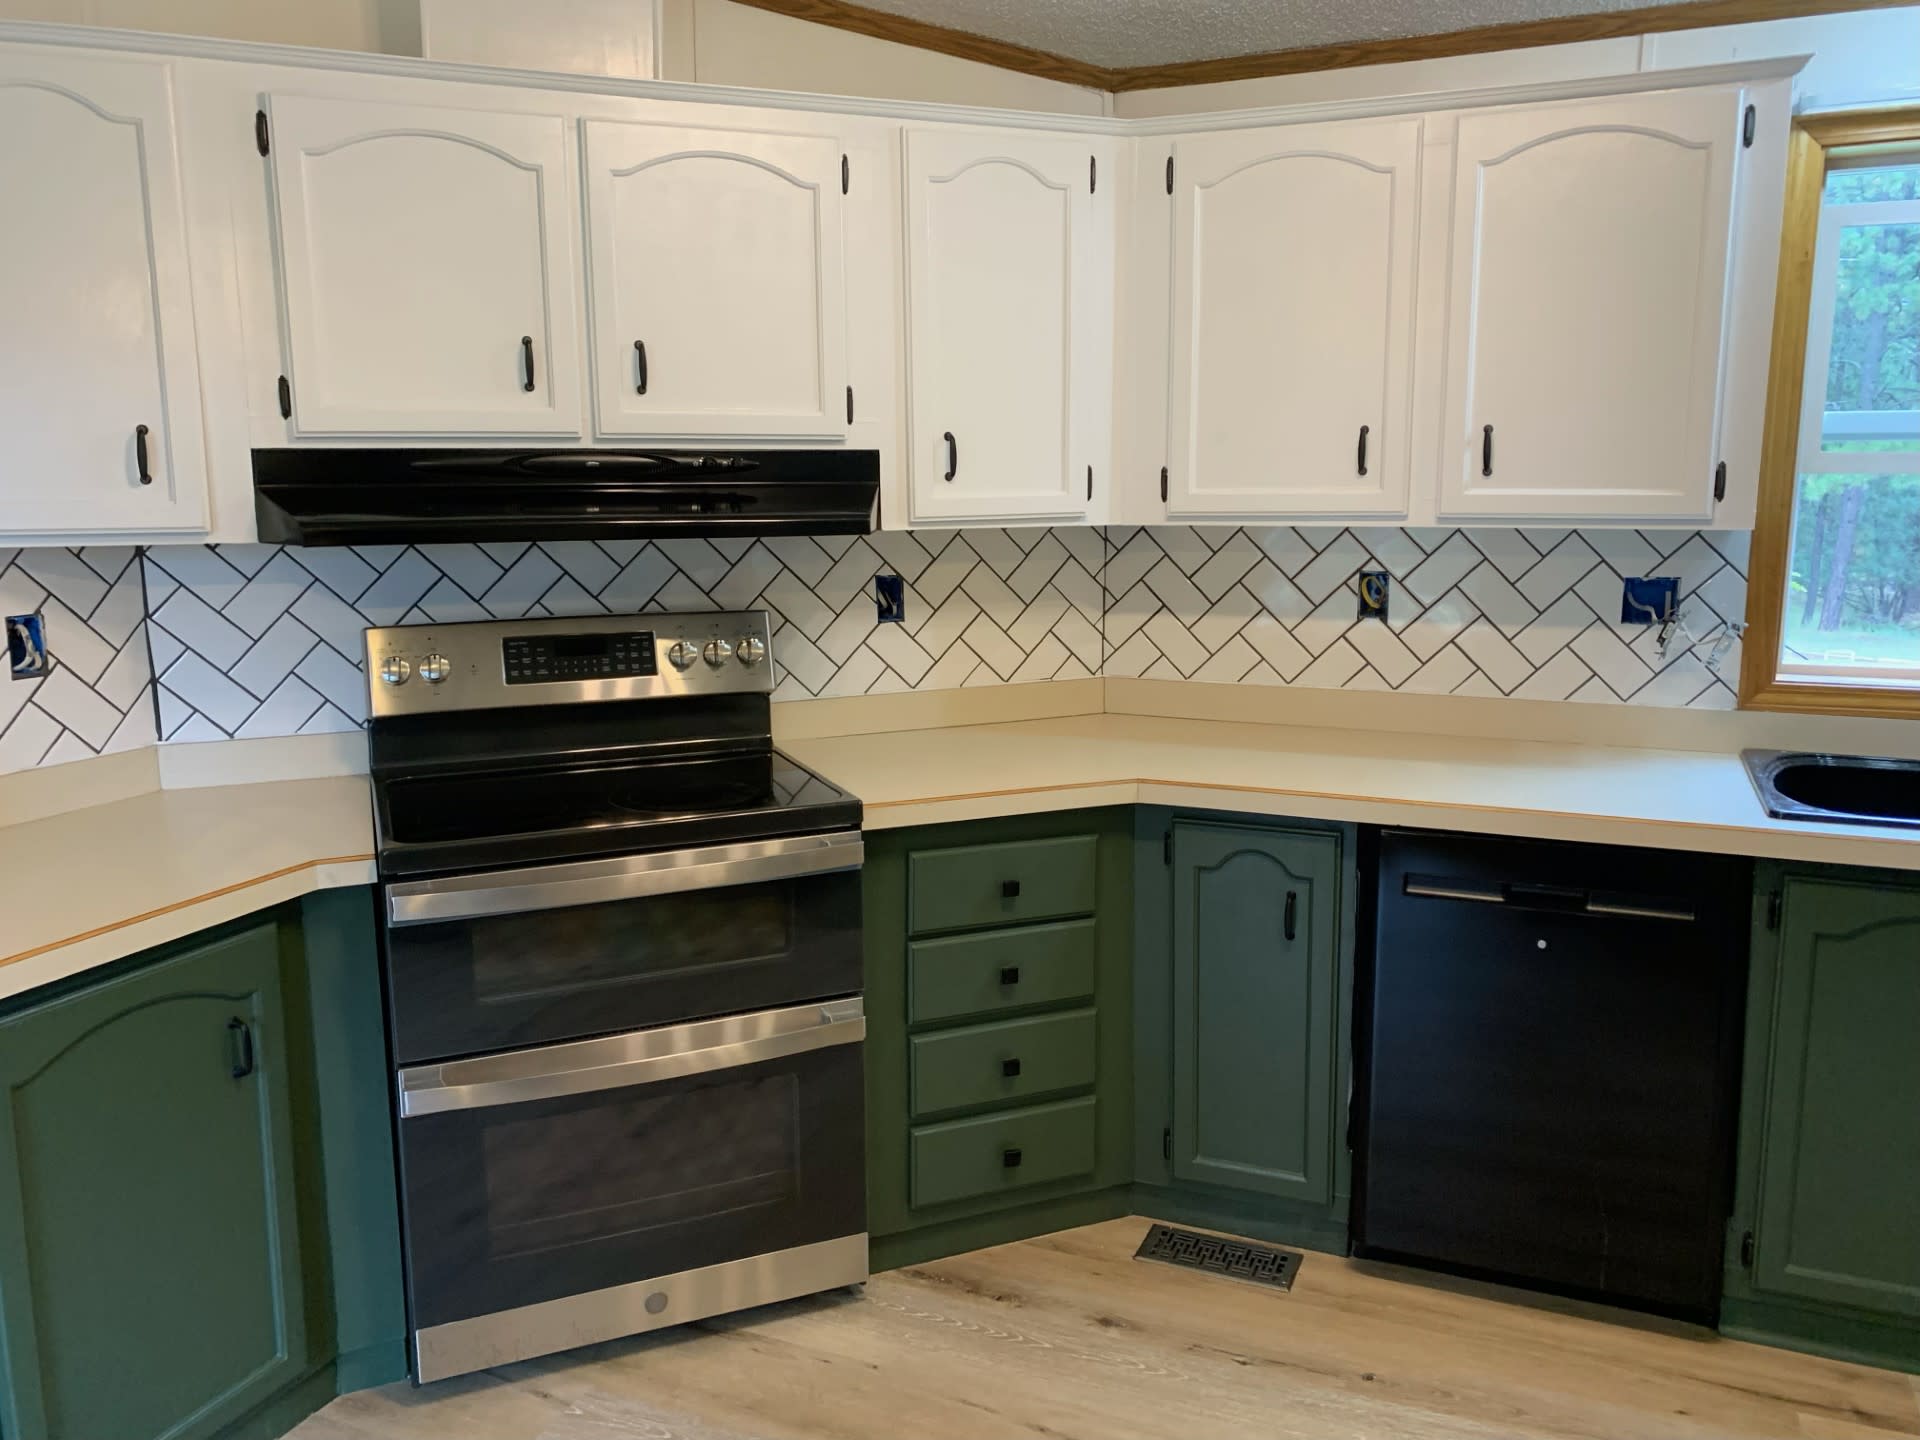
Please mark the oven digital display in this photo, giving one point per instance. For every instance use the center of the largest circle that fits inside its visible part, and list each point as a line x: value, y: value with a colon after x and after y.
x: 544, y: 659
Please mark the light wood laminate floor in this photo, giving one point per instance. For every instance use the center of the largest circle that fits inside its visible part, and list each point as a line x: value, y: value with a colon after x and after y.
x: 1069, y: 1336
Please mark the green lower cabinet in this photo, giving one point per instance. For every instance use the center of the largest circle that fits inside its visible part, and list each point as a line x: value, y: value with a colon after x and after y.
x: 999, y: 1030
x: 1825, y: 1243
x: 199, y: 1233
x: 150, y: 1271
x: 1242, y: 987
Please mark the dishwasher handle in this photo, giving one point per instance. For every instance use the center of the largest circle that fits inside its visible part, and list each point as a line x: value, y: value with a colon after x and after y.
x: 1527, y: 895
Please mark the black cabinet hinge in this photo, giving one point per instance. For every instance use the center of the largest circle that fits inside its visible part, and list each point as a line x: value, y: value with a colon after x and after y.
x: 1774, y: 903
x: 846, y: 174
x: 1169, y: 174
x: 849, y: 404
x: 1163, y: 484
x: 286, y: 399
x: 1747, y: 127
x: 261, y: 139
x: 1746, y: 1250
x: 1720, y: 481
x: 1166, y: 847
x: 1166, y: 1144
x: 1093, y: 173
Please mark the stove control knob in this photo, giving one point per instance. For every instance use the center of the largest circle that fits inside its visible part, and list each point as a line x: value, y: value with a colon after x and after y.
x: 395, y: 670
x: 682, y: 654
x: 434, y: 668
x: 751, y: 650
x: 717, y: 653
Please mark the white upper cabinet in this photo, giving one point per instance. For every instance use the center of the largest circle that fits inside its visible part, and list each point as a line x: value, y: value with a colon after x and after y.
x: 1010, y: 299
x: 427, y: 269
x: 1293, y: 270
x: 1588, y: 297
x: 97, y: 368
x: 717, y: 285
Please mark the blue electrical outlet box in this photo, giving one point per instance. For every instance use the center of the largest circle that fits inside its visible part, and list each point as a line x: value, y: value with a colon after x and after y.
x: 1650, y: 601
x: 27, y: 657
x: 890, y: 598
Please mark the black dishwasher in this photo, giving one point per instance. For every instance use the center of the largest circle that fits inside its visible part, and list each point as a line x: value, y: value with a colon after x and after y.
x: 1549, y: 1046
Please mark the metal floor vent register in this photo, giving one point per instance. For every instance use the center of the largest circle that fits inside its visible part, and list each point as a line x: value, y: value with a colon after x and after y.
x: 1237, y: 1259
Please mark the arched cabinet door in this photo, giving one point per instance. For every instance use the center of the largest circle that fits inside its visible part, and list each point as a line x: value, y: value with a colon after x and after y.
x: 1256, y: 961
x: 1009, y: 301
x: 96, y: 320
x: 1589, y: 289
x: 1292, y: 328
x: 718, y: 292
x: 426, y: 269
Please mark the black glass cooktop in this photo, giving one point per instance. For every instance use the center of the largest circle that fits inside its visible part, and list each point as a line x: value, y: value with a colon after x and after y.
x: 536, y: 815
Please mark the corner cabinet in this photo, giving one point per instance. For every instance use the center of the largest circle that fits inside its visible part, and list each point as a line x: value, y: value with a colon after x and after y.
x: 716, y: 281
x: 1825, y: 1245
x: 1588, y: 299
x: 150, y: 1276
x: 427, y: 268
x: 1010, y: 292
x: 1294, y: 253
x: 98, y: 365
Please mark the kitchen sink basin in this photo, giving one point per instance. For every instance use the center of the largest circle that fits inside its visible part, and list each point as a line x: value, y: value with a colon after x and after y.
x: 1839, y: 789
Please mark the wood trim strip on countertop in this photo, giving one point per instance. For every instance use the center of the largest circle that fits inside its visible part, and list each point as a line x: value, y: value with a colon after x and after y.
x: 186, y: 904
x: 961, y: 44
x: 1480, y: 39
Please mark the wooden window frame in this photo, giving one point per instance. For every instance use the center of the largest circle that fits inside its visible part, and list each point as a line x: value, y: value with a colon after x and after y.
x: 1761, y: 687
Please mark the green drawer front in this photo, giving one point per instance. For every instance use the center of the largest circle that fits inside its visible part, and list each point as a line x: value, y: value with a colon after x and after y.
x: 965, y: 975
x: 1001, y: 1064
x: 1000, y: 884
x: 964, y: 1158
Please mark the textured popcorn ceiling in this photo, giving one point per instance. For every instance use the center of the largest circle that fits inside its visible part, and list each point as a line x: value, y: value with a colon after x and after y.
x: 1157, y: 32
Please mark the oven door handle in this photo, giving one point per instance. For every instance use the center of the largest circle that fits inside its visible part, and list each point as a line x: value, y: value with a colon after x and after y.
x: 627, y: 877
x: 642, y: 1057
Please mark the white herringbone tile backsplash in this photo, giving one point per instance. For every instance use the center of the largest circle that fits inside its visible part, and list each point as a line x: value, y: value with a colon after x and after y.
x: 255, y: 640
x: 99, y: 694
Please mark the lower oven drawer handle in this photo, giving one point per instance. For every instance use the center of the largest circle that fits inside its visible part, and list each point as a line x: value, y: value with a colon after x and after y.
x: 431, y: 1089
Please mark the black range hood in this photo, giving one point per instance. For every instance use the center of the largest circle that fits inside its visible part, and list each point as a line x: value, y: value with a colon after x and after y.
x: 315, y: 496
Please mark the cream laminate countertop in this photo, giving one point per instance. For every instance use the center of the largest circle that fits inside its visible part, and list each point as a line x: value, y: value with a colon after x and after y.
x: 90, y: 886
x: 1668, y: 799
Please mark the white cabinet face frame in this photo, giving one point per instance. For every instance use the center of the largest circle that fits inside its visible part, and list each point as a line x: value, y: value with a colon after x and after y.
x: 1010, y: 320
x: 1590, y: 288
x: 1294, y: 255
x: 96, y: 314
x: 427, y: 264
x: 715, y: 259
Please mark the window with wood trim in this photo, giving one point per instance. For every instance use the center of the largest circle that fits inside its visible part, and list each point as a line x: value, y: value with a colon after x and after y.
x: 1834, y: 609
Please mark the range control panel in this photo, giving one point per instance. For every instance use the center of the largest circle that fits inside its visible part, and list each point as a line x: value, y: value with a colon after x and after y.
x: 538, y: 659
x: 493, y: 664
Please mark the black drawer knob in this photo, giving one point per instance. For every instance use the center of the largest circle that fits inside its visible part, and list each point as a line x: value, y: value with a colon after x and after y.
x: 1009, y: 889
x: 1010, y: 1158
x: 1009, y: 974
x: 1010, y: 1068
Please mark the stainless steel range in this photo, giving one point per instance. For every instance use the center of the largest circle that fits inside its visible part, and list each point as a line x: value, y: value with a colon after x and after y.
x: 622, y: 955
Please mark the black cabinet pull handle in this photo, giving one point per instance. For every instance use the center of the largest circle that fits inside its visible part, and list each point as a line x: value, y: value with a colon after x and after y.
x: 953, y: 455
x: 1287, y: 915
x: 240, y: 1035
x: 1486, y: 450
x: 526, y: 359
x: 1010, y: 1068
x: 640, y: 367
x: 1363, y: 449
x: 1009, y: 889
x: 1009, y: 974
x: 140, y: 454
x: 1010, y: 1158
